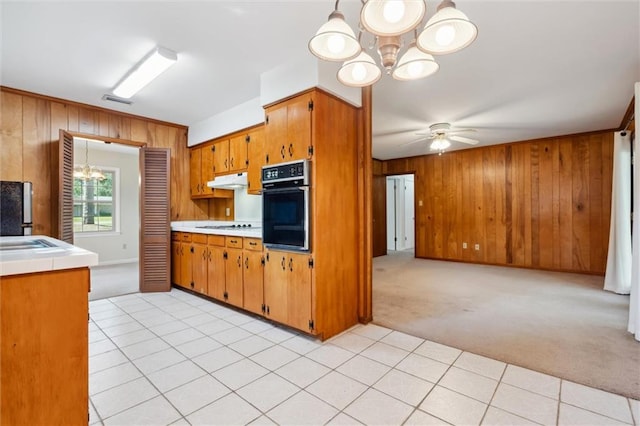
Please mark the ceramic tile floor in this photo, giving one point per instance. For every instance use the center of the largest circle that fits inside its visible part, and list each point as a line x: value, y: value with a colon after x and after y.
x: 174, y: 358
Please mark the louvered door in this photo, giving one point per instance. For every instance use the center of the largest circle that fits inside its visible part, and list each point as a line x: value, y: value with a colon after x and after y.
x: 64, y: 179
x: 155, y: 234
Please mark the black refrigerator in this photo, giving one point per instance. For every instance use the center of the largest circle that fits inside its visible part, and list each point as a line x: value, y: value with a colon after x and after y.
x: 15, y: 208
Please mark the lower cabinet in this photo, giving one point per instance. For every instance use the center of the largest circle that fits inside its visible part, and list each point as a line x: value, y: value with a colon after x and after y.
x: 216, y: 266
x: 198, y: 252
x: 276, y: 284
x: 287, y: 289
x: 233, y: 271
x: 253, y: 276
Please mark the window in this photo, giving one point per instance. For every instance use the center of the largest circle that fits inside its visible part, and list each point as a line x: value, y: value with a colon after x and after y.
x: 94, y: 204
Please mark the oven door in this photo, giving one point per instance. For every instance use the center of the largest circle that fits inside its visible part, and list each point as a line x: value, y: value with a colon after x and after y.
x: 285, y: 218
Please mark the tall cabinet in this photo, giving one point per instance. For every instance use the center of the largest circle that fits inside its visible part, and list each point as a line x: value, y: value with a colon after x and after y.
x: 322, y: 128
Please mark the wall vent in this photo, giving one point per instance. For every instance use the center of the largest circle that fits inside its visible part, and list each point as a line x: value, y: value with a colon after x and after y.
x: 114, y: 98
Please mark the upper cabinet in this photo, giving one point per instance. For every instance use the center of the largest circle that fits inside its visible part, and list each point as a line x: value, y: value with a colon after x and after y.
x: 255, y: 159
x: 239, y: 152
x: 201, y: 170
x: 288, y: 130
x: 221, y: 157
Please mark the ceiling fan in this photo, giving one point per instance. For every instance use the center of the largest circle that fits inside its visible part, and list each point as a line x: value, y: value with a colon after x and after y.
x: 442, y: 134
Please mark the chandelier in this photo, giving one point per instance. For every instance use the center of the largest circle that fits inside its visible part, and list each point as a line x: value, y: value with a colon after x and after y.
x: 447, y: 31
x: 87, y: 172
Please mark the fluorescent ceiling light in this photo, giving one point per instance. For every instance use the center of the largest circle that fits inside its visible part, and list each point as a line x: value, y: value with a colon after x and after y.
x: 152, y: 65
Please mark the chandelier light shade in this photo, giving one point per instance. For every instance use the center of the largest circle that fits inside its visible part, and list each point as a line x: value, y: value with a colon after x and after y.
x: 359, y: 72
x: 392, y: 17
x: 448, y: 31
x: 151, y: 66
x: 335, y: 40
x: 87, y: 172
x: 415, y: 64
x: 388, y: 22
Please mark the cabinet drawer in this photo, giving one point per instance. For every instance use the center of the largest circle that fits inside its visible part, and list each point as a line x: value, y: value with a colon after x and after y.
x: 253, y: 244
x: 185, y: 236
x: 234, y: 242
x: 175, y: 236
x: 215, y: 240
x: 199, y: 238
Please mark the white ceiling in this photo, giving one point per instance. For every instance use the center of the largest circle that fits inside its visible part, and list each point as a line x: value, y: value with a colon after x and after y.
x: 537, y: 69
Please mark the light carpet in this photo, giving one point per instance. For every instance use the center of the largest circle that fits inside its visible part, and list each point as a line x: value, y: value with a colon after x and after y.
x: 556, y: 323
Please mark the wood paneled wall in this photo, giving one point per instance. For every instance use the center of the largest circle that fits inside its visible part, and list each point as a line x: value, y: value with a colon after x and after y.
x: 29, y: 123
x: 538, y: 204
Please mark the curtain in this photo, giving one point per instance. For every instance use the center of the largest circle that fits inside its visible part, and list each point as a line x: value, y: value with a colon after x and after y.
x: 618, y: 273
x: 634, y: 302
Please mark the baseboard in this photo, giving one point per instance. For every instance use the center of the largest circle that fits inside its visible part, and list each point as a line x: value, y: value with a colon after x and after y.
x: 118, y: 262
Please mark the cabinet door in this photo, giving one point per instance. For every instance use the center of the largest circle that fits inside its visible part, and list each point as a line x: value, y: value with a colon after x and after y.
x: 299, y: 291
x: 199, y: 268
x: 233, y: 276
x: 275, y: 286
x: 207, y: 168
x: 238, y: 153
x: 215, y: 272
x: 186, y: 260
x: 298, y: 128
x: 276, y: 135
x: 176, y: 260
x: 255, y: 153
x: 195, y: 171
x: 252, y: 278
x: 221, y: 157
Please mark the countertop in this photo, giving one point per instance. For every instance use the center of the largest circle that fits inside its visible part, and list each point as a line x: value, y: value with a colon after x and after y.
x: 255, y: 231
x: 51, y: 255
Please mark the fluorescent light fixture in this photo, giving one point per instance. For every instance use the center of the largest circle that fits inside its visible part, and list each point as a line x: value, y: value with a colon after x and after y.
x: 152, y: 65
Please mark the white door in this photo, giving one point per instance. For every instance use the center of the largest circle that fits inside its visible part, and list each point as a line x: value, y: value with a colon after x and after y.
x: 409, y: 213
x: 391, y: 213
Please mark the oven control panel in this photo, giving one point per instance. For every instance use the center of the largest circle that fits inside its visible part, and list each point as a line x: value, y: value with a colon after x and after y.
x: 293, y: 173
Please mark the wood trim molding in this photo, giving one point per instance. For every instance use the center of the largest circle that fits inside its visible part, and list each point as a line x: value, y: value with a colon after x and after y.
x: 365, y: 184
x: 628, y: 121
x: 93, y: 107
x: 108, y: 139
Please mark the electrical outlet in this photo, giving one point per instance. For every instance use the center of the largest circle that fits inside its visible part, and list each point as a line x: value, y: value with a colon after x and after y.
x: 227, y: 211
x: 419, y: 203
x: 124, y: 246
x: 477, y: 247
x: 464, y: 245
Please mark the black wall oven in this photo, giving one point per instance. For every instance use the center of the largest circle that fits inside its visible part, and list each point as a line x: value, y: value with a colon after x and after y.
x: 285, y: 206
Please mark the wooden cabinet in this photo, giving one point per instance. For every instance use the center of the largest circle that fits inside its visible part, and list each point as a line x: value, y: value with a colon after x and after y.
x: 216, y: 266
x: 189, y: 261
x: 255, y: 158
x: 288, y: 130
x: 44, y: 371
x: 176, y: 259
x: 186, y: 260
x: 199, y: 263
x: 233, y: 272
x: 238, y: 146
x: 221, y: 157
x: 323, y: 299
x: 252, y: 276
x: 287, y: 289
x: 201, y: 170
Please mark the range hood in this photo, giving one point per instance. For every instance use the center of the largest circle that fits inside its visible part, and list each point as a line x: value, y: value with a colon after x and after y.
x: 232, y: 181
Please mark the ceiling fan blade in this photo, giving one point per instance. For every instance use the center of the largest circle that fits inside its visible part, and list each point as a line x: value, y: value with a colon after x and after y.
x: 463, y: 140
x: 414, y: 141
x: 454, y: 131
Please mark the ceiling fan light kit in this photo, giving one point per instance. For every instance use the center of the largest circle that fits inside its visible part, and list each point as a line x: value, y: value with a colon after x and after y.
x: 447, y: 31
